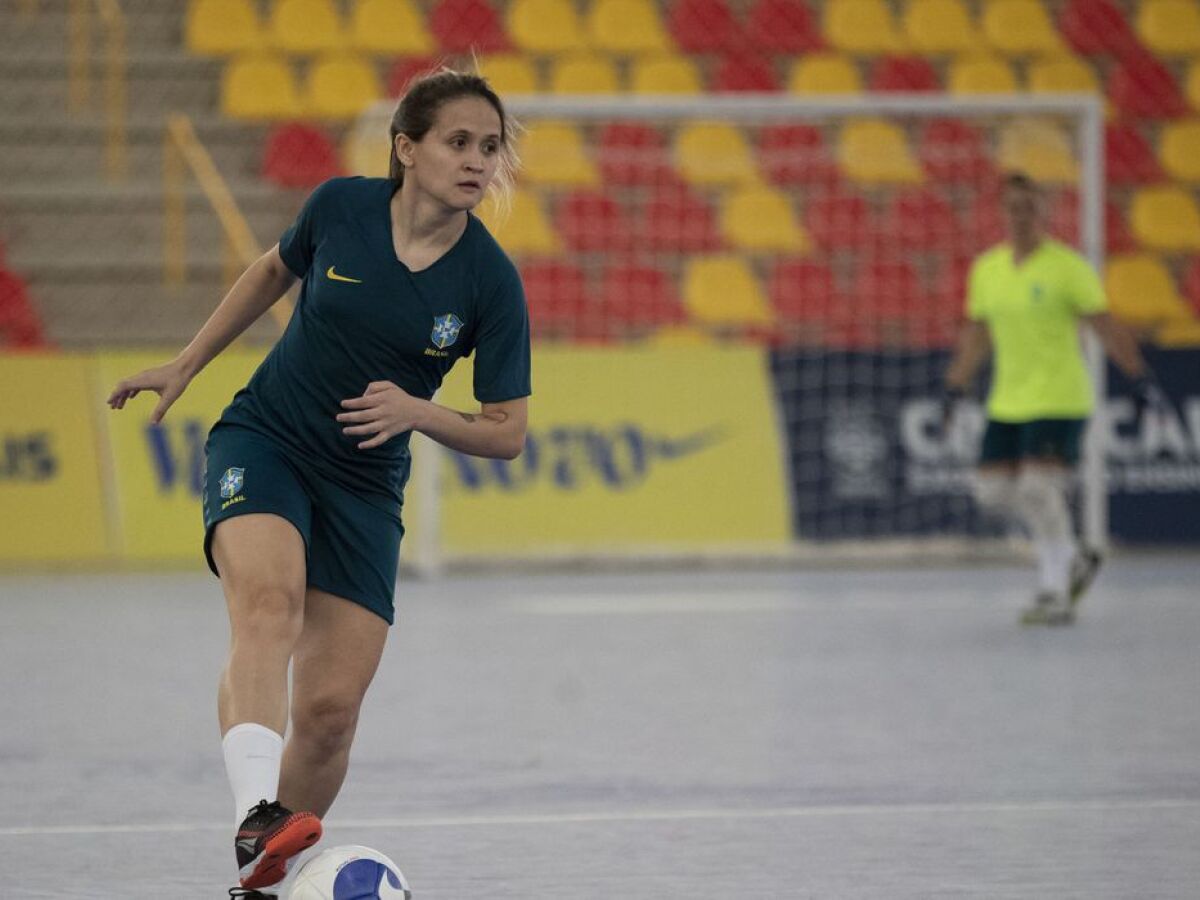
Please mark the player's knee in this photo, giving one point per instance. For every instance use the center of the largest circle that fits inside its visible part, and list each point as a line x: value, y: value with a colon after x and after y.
x: 326, y: 724
x: 1038, y: 489
x: 993, y: 491
x: 268, y: 612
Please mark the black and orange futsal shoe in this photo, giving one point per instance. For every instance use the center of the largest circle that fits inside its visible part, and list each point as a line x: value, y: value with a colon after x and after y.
x: 268, y: 839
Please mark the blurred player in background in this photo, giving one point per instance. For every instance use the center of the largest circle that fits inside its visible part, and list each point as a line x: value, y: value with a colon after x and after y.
x: 1025, y: 300
x: 306, y: 467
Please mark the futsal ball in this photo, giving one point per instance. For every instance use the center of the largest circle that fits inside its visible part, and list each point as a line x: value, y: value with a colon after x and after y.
x: 350, y: 873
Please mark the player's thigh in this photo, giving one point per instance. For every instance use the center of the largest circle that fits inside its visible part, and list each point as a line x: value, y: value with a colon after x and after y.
x: 1052, y: 442
x: 259, y: 555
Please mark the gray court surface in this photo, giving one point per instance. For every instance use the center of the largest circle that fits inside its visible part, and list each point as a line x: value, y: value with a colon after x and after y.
x: 808, y: 734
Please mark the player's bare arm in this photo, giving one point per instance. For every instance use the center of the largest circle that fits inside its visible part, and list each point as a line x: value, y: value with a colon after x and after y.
x: 972, y: 350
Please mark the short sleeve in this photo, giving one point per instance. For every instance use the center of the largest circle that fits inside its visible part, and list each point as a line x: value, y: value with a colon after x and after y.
x: 1085, y: 289
x: 298, y: 244
x: 976, y: 296
x: 502, y: 369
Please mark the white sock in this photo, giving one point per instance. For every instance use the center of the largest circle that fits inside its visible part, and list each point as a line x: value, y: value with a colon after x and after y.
x: 1054, y: 564
x: 253, y: 755
x: 1041, y: 495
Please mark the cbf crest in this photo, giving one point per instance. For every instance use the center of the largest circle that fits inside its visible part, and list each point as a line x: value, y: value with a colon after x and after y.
x: 445, y: 330
x: 232, y: 482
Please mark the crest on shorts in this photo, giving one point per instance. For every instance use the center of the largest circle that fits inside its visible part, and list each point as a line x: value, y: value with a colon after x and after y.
x: 445, y: 330
x: 232, y: 481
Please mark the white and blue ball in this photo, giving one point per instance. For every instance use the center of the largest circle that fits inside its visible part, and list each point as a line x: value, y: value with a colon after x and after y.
x: 350, y: 873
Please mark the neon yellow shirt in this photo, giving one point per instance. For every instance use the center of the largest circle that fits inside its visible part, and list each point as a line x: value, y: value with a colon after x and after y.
x: 1032, y: 312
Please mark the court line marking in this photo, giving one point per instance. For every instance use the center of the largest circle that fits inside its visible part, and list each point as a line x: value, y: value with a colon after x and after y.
x: 681, y: 815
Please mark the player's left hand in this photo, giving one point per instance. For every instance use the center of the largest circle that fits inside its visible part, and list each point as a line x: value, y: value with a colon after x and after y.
x: 384, y: 411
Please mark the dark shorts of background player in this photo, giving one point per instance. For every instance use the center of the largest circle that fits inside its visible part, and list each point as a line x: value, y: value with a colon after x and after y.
x: 352, y: 546
x: 1051, y: 440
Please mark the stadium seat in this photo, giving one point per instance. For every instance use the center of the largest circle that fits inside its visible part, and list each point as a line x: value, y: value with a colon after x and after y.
x: 876, y: 151
x: 21, y: 327
x: 1062, y: 75
x: 365, y: 152
x: 553, y: 153
x: 218, y: 27
x: 837, y: 220
x: 721, y: 291
x: 1128, y: 157
x: 887, y: 290
x: 1192, y: 84
x: 921, y: 219
x: 591, y: 221
x: 665, y: 73
x: 545, y: 26
x: 1141, y: 291
x: 796, y: 154
x: 510, y: 73
x: 984, y: 218
x: 1142, y: 87
x: 406, y: 68
x: 633, y: 153
x: 297, y: 155
x: 1019, y: 28
x: 864, y: 27
x: 1064, y: 223
x: 525, y: 229
x: 1170, y: 27
x: 936, y: 27
x: 783, y: 26
x: 805, y: 298
x: 468, y: 26
x: 260, y: 86
x: 1191, y: 284
x: 981, y: 75
x: 1178, y: 334
x: 903, y: 73
x: 1179, y: 150
x: 1097, y: 27
x: 584, y: 73
x: 705, y: 26
x: 341, y: 87
x: 714, y: 153
x: 675, y: 219
x: 395, y: 27
x: 954, y: 152
x: 825, y: 73
x: 626, y: 26
x: 1165, y: 218
x: 761, y: 220
x: 1040, y: 148
x: 638, y: 300
x: 560, y: 308
x: 305, y: 26
x: 744, y: 72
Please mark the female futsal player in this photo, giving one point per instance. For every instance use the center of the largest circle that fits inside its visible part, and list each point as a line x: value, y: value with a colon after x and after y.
x: 306, y: 467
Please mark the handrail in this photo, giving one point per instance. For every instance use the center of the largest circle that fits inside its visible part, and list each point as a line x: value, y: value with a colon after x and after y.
x: 79, y: 41
x: 183, y: 151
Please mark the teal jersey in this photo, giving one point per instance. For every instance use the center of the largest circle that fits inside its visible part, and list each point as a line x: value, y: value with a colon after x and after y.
x: 364, y: 316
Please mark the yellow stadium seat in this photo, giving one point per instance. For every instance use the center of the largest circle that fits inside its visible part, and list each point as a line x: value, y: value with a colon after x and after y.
x: 545, y: 26
x: 217, y: 27
x: 524, y: 229
x: 1020, y: 27
x: 1062, y: 74
x: 664, y: 74
x: 1179, y: 150
x: 714, y: 153
x: 341, y: 87
x: 940, y: 26
x: 395, y: 27
x: 1170, y: 27
x: 862, y: 26
x: 366, y: 152
x: 982, y: 75
x: 760, y: 219
x: 825, y: 73
x: 1040, y: 149
x: 584, y: 74
x: 510, y: 73
x: 1141, y: 292
x: 553, y: 153
x: 626, y: 26
x: 1192, y: 84
x: 1178, y: 333
x: 1165, y: 218
x: 260, y: 86
x: 873, y: 150
x: 722, y: 291
x: 305, y: 26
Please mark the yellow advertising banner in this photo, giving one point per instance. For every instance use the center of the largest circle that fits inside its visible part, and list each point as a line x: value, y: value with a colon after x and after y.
x: 51, y: 500
x: 656, y: 449
x: 157, y: 469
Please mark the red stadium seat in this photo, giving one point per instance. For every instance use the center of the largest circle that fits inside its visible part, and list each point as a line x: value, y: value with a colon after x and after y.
x: 1097, y: 27
x: 903, y: 73
x: 841, y: 220
x: 1191, y: 284
x: 299, y: 156
x: 744, y: 72
x: 1064, y: 223
x: 631, y: 153
x: 593, y: 221
x: 984, y: 220
x: 1128, y: 157
x: 639, y: 299
x: 559, y: 306
x: 784, y: 26
x: 802, y: 290
x: 796, y: 154
x: 674, y: 218
x: 892, y: 307
x: 466, y: 26
x: 922, y: 219
x: 954, y: 152
x: 405, y: 69
x: 705, y: 26
x: 1144, y: 88
x: 20, y: 326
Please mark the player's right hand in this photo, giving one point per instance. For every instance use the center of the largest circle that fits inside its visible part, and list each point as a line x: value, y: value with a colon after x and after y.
x: 168, y: 381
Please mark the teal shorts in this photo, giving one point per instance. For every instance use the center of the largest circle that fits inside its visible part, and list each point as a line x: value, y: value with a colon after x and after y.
x: 352, y: 546
x: 1053, y: 440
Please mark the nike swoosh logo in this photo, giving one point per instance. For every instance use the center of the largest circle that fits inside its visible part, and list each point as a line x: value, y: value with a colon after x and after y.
x: 334, y: 276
